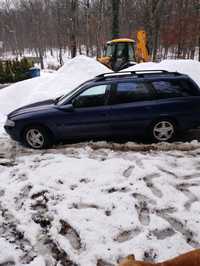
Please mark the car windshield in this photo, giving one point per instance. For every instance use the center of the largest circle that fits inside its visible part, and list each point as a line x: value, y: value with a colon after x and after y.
x: 61, y: 100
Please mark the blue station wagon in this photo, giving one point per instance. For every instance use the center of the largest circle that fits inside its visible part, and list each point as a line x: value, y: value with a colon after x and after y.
x: 122, y: 104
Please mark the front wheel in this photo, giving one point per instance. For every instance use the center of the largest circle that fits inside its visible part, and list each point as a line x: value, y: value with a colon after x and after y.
x: 37, y: 137
x: 163, y: 130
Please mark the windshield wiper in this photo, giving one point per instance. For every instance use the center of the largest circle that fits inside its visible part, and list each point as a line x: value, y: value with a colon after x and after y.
x: 57, y: 99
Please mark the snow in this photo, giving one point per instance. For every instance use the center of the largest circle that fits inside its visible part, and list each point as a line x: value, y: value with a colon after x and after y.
x: 92, y: 203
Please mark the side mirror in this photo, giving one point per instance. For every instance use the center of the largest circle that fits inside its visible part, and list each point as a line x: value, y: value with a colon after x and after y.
x: 67, y: 107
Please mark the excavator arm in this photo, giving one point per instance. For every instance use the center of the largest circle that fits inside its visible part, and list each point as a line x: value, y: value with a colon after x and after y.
x: 142, y: 50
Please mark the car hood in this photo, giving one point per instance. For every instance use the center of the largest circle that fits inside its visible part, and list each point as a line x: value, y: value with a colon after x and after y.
x: 34, y: 107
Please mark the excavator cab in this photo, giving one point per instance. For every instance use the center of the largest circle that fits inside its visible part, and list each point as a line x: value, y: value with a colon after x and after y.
x: 119, y: 54
x: 122, y: 53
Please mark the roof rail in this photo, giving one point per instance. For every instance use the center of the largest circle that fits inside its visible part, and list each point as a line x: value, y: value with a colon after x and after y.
x: 113, y: 74
x: 150, y: 71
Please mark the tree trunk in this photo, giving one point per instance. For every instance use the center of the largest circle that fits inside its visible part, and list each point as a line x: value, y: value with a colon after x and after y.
x: 87, y: 26
x: 60, y: 56
x: 41, y: 58
x: 115, y: 18
x: 199, y: 48
x: 155, y: 43
x: 74, y: 7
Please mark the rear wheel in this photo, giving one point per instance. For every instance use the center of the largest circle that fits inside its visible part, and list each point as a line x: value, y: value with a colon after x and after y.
x: 163, y: 130
x: 37, y: 137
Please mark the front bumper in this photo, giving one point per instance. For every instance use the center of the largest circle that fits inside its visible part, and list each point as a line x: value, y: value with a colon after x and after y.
x: 13, y: 133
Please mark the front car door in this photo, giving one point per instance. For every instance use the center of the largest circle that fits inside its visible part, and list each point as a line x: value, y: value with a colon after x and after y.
x: 89, y: 115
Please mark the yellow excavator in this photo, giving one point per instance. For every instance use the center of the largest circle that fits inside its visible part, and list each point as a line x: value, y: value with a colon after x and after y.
x: 122, y: 53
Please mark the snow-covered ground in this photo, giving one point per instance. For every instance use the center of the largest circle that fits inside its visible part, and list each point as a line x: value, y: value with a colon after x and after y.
x: 91, y: 203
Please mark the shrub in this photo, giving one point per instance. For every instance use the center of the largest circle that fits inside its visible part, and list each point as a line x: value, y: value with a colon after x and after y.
x: 14, y: 70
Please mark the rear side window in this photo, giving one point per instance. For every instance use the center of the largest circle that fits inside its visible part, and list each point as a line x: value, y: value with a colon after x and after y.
x: 173, y: 89
x: 127, y: 92
x: 189, y: 88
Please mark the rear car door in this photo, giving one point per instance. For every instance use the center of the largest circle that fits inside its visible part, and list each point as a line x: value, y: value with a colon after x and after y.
x: 130, y: 105
x: 178, y: 99
x: 89, y: 116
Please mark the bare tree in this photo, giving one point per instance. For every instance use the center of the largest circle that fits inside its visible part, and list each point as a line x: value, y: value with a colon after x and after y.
x: 115, y: 18
x: 39, y: 26
x: 73, y: 37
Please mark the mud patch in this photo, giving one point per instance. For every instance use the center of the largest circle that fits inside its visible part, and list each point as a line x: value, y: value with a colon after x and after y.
x: 101, y: 262
x: 71, y: 234
x: 127, y: 173
x: 163, y: 233
x: 127, y: 235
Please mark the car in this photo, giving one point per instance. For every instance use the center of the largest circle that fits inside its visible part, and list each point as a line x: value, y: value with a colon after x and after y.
x: 155, y: 103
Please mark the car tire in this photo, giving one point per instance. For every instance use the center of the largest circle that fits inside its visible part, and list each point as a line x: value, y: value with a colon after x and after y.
x: 163, y: 130
x: 37, y: 137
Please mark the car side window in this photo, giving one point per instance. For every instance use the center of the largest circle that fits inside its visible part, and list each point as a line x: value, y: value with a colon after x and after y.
x: 92, y: 97
x: 189, y: 89
x: 171, y: 89
x: 127, y: 92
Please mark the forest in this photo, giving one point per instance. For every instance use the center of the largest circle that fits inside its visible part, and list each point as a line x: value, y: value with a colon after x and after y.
x: 84, y: 26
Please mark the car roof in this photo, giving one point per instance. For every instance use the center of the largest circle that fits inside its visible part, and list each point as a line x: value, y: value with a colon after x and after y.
x: 138, y: 74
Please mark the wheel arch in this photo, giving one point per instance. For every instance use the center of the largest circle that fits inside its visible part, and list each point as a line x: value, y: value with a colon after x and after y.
x: 170, y: 119
x: 166, y: 117
x: 46, y: 128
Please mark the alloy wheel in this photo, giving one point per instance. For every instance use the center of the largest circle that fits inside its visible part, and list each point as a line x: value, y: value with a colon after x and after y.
x: 35, y: 138
x: 163, y: 131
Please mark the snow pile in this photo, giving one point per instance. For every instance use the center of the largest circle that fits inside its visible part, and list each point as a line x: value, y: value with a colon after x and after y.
x: 189, y: 67
x: 72, y: 74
